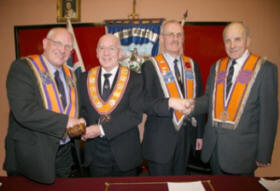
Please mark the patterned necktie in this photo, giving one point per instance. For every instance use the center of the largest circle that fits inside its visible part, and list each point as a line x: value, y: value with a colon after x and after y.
x: 229, y: 77
x: 177, y: 73
x: 60, y: 88
x: 106, y: 87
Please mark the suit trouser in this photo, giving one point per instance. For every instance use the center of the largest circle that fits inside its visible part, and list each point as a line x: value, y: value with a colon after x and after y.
x: 104, y: 163
x: 216, y: 168
x: 176, y: 166
x: 63, y: 160
x: 190, y: 143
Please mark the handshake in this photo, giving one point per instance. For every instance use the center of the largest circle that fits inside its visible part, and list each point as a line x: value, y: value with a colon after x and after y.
x: 184, y: 106
x: 75, y: 127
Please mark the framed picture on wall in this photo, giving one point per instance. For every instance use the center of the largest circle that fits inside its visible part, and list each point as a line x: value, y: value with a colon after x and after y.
x: 68, y: 9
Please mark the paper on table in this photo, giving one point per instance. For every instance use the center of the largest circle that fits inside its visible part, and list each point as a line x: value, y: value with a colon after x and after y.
x: 185, y: 186
x: 271, y: 185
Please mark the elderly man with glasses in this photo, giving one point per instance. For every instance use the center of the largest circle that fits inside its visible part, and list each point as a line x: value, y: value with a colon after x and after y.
x: 44, y: 103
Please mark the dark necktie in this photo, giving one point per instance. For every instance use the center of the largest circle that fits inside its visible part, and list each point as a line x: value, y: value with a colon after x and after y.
x: 106, y: 87
x: 229, y: 76
x: 177, y: 73
x: 60, y: 88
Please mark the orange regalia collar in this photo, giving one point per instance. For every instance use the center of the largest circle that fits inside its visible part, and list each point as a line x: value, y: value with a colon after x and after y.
x: 227, y: 112
x: 105, y: 108
x: 171, y: 87
x: 48, y: 87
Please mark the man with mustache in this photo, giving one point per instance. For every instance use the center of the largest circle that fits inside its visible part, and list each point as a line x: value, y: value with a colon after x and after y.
x: 43, y: 101
x: 170, y: 78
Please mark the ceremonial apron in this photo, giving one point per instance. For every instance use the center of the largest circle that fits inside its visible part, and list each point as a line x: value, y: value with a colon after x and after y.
x: 171, y: 87
x: 226, y: 113
x: 48, y: 87
x: 107, y: 107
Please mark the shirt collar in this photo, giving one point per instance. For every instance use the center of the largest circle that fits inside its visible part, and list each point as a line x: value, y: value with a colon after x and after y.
x: 171, y: 59
x: 243, y: 58
x: 51, y: 67
x: 113, y: 71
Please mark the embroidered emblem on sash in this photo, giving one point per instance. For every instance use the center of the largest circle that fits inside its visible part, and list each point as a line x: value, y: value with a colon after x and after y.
x: 171, y: 87
x: 227, y: 113
x: 105, y: 108
x: 70, y: 82
x: 48, y: 88
x: 224, y: 116
x: 46, y: 79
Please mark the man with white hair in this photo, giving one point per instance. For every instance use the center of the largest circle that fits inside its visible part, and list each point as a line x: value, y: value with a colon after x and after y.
x: 241, y: 100
x: 44, y: 103
x: 110, y: 100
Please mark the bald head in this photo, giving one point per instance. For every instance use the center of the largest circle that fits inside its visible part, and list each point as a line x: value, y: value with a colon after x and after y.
x: 239, y: 25
x: 109, y: 37
x: 61, y: 30
x: 109, y: 51
x: 57, y: 46
x: 236, y: 39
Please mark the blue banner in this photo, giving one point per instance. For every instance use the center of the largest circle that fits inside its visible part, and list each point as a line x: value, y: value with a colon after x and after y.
x: 142, y: 37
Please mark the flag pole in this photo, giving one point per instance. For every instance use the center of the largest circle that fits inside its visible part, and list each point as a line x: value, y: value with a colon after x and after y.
x: 184, y: 18
x: 75, y: 47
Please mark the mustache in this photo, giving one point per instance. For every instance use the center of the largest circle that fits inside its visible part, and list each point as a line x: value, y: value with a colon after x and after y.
x: 176, y: 42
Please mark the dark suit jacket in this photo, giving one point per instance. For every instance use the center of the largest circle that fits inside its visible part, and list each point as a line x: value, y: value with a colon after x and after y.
x: 160, y: 135
x: 34, y: 132
x: 121, y: 131
x: 253, y: 139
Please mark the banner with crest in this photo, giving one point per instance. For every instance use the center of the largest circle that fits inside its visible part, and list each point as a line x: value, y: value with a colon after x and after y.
x: 138, y: 40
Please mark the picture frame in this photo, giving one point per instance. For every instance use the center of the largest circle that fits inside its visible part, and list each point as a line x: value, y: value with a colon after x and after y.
x: 68, y: 9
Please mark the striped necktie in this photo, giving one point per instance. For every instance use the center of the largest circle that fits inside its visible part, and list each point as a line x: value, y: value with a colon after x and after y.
x: 60, y: 88
x: 229, y: 77
x: 177, y: 74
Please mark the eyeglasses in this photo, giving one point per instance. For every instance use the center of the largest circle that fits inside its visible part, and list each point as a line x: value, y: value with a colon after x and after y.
x: 172, y: 35
x: 110, y: 48
x: 59, y: 44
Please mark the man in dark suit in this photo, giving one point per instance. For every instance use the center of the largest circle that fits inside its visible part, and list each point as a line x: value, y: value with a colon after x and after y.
x: 40, y: 113
x: 241, y: 99
x: 169, y: 78
x: 110, y: 101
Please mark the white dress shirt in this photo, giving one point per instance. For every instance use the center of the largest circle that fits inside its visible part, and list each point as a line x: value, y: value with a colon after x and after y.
x: 237, y: 67
x: 111, y: 80
x: 62, y: 78
x: 170, y: 62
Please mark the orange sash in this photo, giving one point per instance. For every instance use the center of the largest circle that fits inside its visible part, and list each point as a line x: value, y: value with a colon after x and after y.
x: 227, y: 114
x: 48, y: 87
x: 104, y: 108
x: 171, y: 87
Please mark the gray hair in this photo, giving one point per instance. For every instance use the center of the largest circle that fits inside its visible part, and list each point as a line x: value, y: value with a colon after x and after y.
x: 244, y: 26
x: 54, y: 30
x: 162, y: 30
x: 165, y: 23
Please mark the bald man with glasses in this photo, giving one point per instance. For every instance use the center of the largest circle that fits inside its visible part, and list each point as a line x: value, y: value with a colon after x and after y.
x: 44, y: 103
